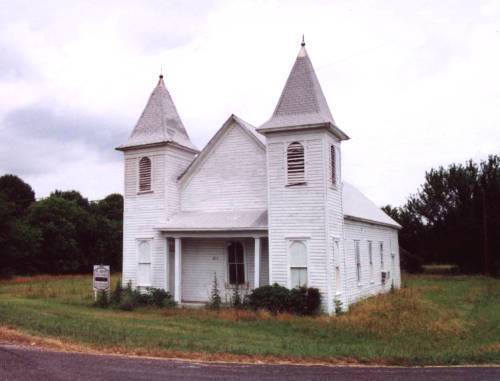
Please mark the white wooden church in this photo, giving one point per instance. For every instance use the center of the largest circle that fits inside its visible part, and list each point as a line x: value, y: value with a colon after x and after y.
x: 256, y: 206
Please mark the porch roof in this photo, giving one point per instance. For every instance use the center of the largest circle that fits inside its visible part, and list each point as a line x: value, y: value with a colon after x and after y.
x: 235, y: 220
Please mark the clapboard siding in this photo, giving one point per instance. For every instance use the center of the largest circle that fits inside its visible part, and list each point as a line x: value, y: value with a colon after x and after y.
x: 144, y: 211
x: 297, y: 211
x: 335, y: 220
x: 232, y: 176
x: 205, y: 259
x: 369, y: 286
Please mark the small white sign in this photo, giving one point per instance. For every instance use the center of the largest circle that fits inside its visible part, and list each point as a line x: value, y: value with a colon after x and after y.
x: 102, y: 278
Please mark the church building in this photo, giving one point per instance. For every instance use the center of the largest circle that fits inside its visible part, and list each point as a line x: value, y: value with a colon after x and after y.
x: 255, y: 206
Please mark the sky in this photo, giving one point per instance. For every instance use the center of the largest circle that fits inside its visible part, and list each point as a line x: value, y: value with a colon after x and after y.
x: 415, y: 84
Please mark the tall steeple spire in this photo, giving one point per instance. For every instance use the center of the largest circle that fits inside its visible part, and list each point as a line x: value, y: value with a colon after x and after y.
x: 159, y: 122
x: 302, y: 103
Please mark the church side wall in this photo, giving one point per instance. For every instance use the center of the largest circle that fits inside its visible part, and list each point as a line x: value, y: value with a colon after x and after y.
x: 233, y: 176
x: 371, y: 283
x: 335, y: 220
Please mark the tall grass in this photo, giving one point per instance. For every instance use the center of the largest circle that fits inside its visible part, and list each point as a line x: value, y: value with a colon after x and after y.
x: 434, y: 320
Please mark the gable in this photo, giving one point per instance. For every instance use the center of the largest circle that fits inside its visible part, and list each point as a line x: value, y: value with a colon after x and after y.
x: 230, y: 173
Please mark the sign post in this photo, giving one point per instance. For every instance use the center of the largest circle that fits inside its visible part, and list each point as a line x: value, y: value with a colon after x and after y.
x: 101, y: 279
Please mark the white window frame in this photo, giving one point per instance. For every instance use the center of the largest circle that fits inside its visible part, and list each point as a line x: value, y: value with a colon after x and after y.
x: 289, y: 243
x: 150, y: 263
x: 336, y: 266
x: 245, y: 266
x: 357, y: 261
x: 381, y: 252
x: 287, y: 144
x: 370, y: 259
x: 138, y: 182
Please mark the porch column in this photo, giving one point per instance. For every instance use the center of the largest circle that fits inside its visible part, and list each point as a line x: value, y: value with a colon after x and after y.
x: 256, y: 282
x: 178, y: 270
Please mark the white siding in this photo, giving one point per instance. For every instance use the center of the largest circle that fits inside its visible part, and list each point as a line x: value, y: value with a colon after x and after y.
x: 297, y: 211
x: 144, y: 211
x: 203, y: 259
x: 232, y: 176
x: 367, y: 232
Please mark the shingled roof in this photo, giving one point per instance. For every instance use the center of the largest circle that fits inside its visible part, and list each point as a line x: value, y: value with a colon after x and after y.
x: 159, y: 122
x: 302, y: 102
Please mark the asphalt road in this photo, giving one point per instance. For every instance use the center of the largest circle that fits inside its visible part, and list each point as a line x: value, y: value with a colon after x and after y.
x: 27, y: 363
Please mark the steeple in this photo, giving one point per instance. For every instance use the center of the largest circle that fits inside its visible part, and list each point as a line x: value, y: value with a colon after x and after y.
x: 302, y: 103
x: 159, y: 122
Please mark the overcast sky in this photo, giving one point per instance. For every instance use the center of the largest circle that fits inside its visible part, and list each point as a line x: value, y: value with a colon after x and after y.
x: 415, y: 84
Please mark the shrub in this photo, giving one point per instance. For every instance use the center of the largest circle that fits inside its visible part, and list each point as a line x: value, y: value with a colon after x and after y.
x: 215, y: 299
x: 160, y: 298
x: 273, y: 298
x: 128, y: 299
x: 116, y: 295
x: 305, y: 301
x: 236, y: 299
x: 102, y: 300
x: 278, y: 299
x: 338, y: 307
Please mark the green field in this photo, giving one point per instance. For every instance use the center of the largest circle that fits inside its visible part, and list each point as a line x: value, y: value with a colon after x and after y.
x: 432, y: 320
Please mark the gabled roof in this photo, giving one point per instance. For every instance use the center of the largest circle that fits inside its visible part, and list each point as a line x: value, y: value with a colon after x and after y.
x: 217, y: 221
x: 247, y: 127
x: 359, y: 207
x: 302, y: 102
x: 159, y: 122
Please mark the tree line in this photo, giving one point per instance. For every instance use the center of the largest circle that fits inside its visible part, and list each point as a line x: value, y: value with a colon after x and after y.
x: 61, y: 234
x: 454, y: 218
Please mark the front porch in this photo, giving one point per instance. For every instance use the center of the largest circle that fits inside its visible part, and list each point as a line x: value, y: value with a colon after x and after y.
x: 196, y: 259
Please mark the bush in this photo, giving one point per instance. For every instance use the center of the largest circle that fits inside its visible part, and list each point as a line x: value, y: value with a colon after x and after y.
x: 277, y: 299
x: 215, y: 299
x: 305, y: 301
x: 102, y: 300
x: 273, y: 298
x: 116, y: 295
x: 128, y: 299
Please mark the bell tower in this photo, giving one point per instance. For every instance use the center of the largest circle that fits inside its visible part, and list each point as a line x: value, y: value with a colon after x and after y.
x: 304, y: 186
x: 155, y: 154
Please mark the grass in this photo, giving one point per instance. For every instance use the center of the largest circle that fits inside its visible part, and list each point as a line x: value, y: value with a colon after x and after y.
x: 432, y: 320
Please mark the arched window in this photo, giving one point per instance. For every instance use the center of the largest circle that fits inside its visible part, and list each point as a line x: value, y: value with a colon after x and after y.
x: 144, y: 263
x: 295, y: 163
x: 236, y: 262
x: 144, y: 174
x: 298, y: 264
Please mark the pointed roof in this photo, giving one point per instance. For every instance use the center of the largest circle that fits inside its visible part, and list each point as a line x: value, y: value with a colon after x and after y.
x: 302, y: 102
x: 159, y: 122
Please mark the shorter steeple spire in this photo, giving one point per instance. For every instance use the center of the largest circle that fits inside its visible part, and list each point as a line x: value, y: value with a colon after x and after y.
x: 303, y: 43
x: 159, y: 122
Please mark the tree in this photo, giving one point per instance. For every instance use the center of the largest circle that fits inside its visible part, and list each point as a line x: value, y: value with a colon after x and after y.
x: 16, y: 191
x: 19, y: 242
x: 66, y: 235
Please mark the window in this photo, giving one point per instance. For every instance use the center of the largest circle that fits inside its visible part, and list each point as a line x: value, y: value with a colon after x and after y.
x: 358, y: 261
x: 296, y: 163
x: 144, y: 267
x: 336, y: 261
x: 333, y: 165
x: 236, y: 262
x: 144, y: 174
x: 370, y: 258
x: 381, y: 255
x: 298, y: 264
